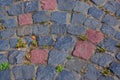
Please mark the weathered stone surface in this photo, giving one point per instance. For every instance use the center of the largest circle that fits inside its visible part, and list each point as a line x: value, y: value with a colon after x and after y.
x: 7, y: 23
x: 3, y: 58
x: 23, y: 72
x: 5, y: 75
x: 66, y: 5
x: 109, y: 44
x: 95, y: 12
x: 77, y: 19
x: 81, y: 7
x: 84, y: 49
x: 76, y: 30
x: 117, y: 35
x: 45, y: 40
x: 92, y: 73
x: 108, y: 30
x: 39, y: 56
x: 75, y: 64
x: 118, y: 13
x: 99, y: 2
x: 58, y: 29
x: 28, y: 40
x: 15, y: 10
x: 92, y: 23
x: 4, y: 45
x: 25, y: 19
x: 46, y: 72
x: 13, y: 42
x: 6, y: 2
x: 4, y: 34
x: 48, y: 4
x: 115, y: 67
x: 118, y: 56
x: 105, y: 78
x: 40, y: 30
x: 110, y: 20
x: 24, y: 31
x: 64, y: 75
x: 56, y: 57
x: 94, y: 36
x: 30, y: 6
x: 59, y: 17
x: 65, y: 43
x: 41, y: 16
x: 16, y: 56
x: 102, y: 59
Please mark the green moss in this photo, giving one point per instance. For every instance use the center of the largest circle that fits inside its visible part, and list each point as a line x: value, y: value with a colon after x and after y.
x: 69, y: 57
x: 83, y: 37
x: 101, y: 49
x: 20, y: 43
x: 4, y: 66
x: 59, y: 68
x: 34, y: 43
x: 106, y: 72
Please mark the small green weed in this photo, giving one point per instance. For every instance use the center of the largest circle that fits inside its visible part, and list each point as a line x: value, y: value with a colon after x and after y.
x: 106, y: 72
x: 4, y: 66
x: 69, y: 57
x: 34, y: 43
x: 20, y: 43
x: 118, y: 45
x: 83, y: 37
x: 101, y: 49
x: 59, y: 68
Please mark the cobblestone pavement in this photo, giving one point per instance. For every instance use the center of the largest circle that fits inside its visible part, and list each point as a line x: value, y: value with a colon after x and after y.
x: 59, y: 39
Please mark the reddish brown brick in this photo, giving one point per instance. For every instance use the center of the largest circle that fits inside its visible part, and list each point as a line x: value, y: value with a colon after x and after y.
x: 25, y: 19
x: 48, y: 4
x: 39, y: 56
x: 94, y: 36
x: 84, y: 49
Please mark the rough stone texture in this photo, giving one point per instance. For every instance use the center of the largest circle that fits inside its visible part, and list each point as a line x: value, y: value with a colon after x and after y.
x: 39, y: 56
x: 59, y: 17
x: 4, y: 34
x: 118, y: 13
x: 98, y: 2
x: 15, y: 10
x: 76, y: 30
x: 64, y: 75
x: 13, y: 42
x: 75, y: 64
x: 112, y: 6
x: 115, y: 67
x: 5, y: 75
x: 30, y: 6
x: 92, y: 23
x: 6, y: 2
x: 7, y: 23
x: 58, y: 29
x: 4, y: 45
x: 24, y: 72
x: 96, y: 12
x: 81, y: 7
x: 56, y: 57
x: 84, y: 49
x: 24, y: 31
x: 28, y: 40
x: 94, y: 36
x: 110, y: 20
x: 16, y: 56
x: 46, y: 72
x: 3, y: 58
x: 78, y: 19
x: 108, y: 30
x: 117, y: 35
x: 118, y: 56
x: 105, y: 78
x: 48, y: 4
x: 25, y: 19
x: 41, y: 16
x: 45, y: 40
x: 40, y: 30
x: 65, y: 43
x: 109, y: 44
x: 92, y: 73
x: 102, y: 59
x: 66, y: 5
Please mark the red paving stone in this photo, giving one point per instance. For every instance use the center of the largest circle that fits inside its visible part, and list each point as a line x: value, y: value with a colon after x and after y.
x: 39, y: 56
x: 48, y: 4
x: 84, y: 49
x: 25, y: 19
x: 94, y: 36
